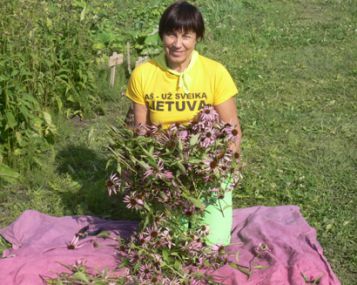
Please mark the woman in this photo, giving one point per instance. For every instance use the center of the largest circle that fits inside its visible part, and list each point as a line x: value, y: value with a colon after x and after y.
x: 173, y: 87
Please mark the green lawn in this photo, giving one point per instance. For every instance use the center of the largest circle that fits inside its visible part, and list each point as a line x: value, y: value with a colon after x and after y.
x: 295, y: 65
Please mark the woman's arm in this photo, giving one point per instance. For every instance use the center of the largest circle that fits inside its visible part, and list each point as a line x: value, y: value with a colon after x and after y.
x: 227, y: 112
x: 141, y: 114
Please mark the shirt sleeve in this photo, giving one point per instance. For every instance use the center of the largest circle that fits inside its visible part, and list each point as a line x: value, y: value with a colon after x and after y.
x: 134, y: 90
x: 225, y: 87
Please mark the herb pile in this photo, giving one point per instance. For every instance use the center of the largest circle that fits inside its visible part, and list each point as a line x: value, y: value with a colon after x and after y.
x: 169, y: 177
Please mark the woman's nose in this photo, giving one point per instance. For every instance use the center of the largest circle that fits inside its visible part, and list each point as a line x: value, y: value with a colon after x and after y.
x: 177, y: 42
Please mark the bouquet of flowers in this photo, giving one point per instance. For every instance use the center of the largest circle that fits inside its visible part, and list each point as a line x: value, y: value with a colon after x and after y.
x: 169, y: 177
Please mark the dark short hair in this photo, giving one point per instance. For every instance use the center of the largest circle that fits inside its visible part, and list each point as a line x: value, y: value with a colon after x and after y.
x: 182, y: 15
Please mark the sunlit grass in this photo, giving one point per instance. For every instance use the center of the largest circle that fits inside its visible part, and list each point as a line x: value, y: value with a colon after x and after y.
x: 296, y: 66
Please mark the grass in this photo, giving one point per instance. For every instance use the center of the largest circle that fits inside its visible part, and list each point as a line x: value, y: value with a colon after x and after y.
x: 295, y: 64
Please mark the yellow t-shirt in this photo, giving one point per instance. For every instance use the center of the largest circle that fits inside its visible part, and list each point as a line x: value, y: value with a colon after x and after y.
x: 173, y: 97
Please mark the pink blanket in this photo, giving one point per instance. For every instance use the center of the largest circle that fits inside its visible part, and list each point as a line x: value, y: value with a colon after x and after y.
x: 274, y: 244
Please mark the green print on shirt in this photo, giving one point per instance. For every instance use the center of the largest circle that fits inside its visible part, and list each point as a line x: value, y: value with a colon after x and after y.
x: 195, y: 101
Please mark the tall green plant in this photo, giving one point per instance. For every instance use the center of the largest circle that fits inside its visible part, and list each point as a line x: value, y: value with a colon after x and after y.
x: 55, y: 73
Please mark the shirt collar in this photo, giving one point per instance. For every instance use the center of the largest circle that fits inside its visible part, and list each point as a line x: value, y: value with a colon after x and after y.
x: 184, y: 78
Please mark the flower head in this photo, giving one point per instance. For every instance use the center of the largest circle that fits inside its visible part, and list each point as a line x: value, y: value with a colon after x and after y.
x: 208, y: 113
x: 203, y: 230
x: 74, y: 243
x: 133, y: 201
x: 113, y: 183
x: 219, y: 249
x: 231, y: 132
x: 208, y: 138
x: 141, y: 130
x: 145, y: 272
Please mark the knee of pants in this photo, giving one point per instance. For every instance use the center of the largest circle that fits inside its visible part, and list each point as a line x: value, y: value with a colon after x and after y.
x: 218, y: 217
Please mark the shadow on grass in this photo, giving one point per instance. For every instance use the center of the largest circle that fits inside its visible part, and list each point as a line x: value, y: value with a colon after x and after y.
x: 88, y: 168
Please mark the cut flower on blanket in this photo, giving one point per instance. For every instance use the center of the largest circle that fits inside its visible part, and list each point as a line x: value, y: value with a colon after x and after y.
x: 170, y: 176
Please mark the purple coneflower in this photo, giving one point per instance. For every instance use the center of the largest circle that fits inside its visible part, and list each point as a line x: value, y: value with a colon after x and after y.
x: 235, y: 178
x: 262, y: 249
x: 74, y: 243
x: 152, y: 233
x: 195, y: 282
x: 231, y: 132
x: 171, y: 132
x: 167, y: 174
x: 189, y: 209
x: 132, y: 201
x: 210, y: 165
x: 152, y: 129
x: 133, y: 257
x: 145, y: 271
x: 160, y: 165
x: 183, y: 135
x: 204, y: 230
x: 208, y: 113
x: 113, y: 184
x: 168, y: 281
x: 149, y: 172
x: 207, y: 138
x: 159, y: 219
x: 162, y: 138
x: 156, y: 279
x: 141, y: 130
x: 166, y: 238
x: 79, y: 263
x: 195, y: 246
x: 163, y: 196
x: 219, y: 249
x: 142, y: 239
x: 199, y: 127
x: 157, y: 260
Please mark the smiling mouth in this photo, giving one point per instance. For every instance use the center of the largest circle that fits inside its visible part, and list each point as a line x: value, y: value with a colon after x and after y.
x: 176, y: 53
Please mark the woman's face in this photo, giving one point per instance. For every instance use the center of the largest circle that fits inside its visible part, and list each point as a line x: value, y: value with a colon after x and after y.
x: 178, y: 46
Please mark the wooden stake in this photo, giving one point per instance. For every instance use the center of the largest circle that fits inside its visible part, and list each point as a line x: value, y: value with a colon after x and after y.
x: 128, y: 56
x: 114, y: 60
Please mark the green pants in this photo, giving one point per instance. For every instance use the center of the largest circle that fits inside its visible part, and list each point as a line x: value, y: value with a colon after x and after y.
x: 218, y: 217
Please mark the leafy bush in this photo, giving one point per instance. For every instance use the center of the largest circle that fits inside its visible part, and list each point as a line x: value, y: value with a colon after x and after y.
x: 49, y: 58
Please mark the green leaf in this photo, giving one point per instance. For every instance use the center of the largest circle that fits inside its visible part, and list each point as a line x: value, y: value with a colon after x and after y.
x: 8, y: 174
x: 147, y: 208
x: 194, y: 139
x: 83, y: 13
x: 48, y: 118
x: 11, y: 121
x: 196, y: 202
x: 261, y: 267
x: 144, y: 164
x: 165, y: 255
x: 180, y: 166
x: 178, y: 265
x: 59, y: 103
x: 152, y: 40
x: 49, y: 23
x: 81, y: 276
x: 241, y: 268
x: 104, y: 234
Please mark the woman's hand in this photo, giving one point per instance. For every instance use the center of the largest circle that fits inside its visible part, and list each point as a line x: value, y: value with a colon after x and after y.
x: 227, y: 112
